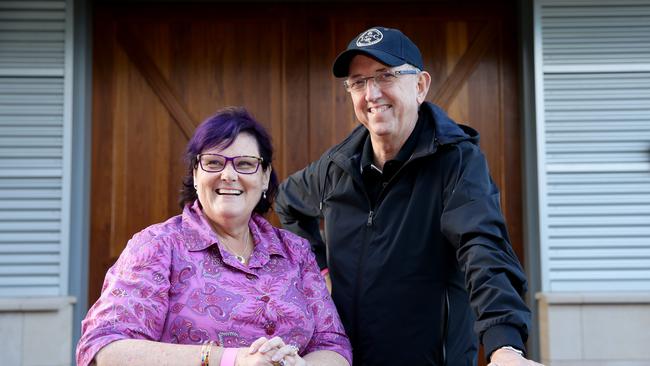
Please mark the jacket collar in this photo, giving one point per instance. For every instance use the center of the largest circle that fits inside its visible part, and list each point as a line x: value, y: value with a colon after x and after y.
x: 438, y: 130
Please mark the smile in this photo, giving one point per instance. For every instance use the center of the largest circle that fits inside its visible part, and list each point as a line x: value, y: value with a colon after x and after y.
x: 229, y: 192
x: 379, y: 109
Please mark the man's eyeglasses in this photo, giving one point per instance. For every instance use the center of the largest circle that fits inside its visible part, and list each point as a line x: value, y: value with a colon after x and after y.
x: 383, y: 79
x: 214, y: 163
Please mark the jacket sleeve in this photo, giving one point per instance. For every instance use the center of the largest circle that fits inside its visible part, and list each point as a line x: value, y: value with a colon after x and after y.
x: 298, y: 207
x: 473, y: 222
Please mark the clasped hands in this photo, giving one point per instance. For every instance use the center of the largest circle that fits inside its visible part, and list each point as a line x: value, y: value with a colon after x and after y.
x: 269, y: 352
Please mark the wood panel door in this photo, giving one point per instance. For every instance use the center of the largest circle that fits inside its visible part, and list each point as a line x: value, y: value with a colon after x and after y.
x: 159, y: 70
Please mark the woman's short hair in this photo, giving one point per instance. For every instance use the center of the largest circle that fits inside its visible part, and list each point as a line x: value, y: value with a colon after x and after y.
x: 220, y: 131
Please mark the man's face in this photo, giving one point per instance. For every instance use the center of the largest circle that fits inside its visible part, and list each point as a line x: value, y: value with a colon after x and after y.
x: 388, y: 111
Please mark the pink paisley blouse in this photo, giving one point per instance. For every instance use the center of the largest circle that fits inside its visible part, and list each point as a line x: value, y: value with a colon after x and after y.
x: 173, y: 283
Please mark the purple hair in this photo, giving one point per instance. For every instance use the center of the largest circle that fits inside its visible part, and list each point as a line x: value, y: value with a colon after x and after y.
x: 221, y: 130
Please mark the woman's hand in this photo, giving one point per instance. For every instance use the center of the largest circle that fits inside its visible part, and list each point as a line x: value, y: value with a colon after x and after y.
x: 279, y: 353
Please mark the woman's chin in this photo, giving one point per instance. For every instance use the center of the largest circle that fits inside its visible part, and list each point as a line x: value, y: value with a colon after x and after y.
x: 231, y: 213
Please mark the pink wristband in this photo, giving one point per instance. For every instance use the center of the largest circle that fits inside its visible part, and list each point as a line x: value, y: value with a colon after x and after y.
x: 324, y: 271
x: 228, y: 357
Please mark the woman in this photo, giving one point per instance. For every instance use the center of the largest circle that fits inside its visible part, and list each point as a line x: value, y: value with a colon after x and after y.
x: 217, y: 285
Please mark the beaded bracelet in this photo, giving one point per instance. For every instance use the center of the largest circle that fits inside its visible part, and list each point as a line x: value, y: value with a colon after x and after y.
x: 205, y: 352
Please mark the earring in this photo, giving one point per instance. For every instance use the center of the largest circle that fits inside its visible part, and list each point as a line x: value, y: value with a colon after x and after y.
x: 264, y: 194
x: 195, y: 187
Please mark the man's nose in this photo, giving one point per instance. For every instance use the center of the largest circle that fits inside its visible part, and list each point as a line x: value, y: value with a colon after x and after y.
x: 373, y: 91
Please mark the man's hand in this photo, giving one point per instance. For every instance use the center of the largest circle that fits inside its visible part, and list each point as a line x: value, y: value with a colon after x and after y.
x: 272, y: 352
x: 508, y: 357
x: 328, y: 282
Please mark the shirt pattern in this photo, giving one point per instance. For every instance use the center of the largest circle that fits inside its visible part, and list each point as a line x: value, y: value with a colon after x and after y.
x: 174, y: 283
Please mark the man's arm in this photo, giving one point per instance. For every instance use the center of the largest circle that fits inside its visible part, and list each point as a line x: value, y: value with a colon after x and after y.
x: 472, y: 221
x: 298, y: 207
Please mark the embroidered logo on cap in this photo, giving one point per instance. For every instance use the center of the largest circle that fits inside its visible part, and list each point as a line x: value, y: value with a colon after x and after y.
x: 369, y: 37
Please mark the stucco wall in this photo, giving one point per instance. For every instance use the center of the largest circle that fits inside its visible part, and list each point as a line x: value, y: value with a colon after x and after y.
x: 595, y: 329
x: 36, y: 331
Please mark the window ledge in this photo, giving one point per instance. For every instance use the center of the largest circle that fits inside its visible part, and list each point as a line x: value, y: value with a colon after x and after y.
x: 591, y: 298
x: 27, y: 304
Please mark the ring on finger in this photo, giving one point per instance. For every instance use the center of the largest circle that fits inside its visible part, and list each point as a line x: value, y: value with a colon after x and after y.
x: 294, y: 350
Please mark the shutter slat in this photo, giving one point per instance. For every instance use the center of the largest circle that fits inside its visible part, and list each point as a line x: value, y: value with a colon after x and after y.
x: 29, y: 258
x: 598, y: 285
x: 611, y: 231
x: 15, y: 248
x: 17, y: 204
x: 29, y: 237
x: 612, y: 266
x: 587, y: 221
x: 29, y: 280
x: 29, y: 270
x: 31, y: 226
x: 598, y: 188
x: 594, y: 199
x: 616, y: 273
x: 28, y: 291
x: 629, y: 243
x: 597, y: 210
x: 23, y: 215
x: 609, y: 253
x: 31, y: 194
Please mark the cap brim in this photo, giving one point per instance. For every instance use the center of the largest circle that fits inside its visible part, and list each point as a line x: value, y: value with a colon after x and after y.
x: 341, y: 66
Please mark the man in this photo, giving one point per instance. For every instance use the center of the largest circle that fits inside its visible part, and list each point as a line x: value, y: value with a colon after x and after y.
x: 415, y: 241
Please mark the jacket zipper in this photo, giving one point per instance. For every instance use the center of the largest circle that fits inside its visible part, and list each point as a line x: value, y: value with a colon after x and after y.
x: 355, y: 298
x: 445, y: 327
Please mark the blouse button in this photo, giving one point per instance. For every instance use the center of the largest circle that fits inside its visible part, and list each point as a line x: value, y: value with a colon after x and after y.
x: 270, y: 328
x: 265, y: 298
x: 250, y: 276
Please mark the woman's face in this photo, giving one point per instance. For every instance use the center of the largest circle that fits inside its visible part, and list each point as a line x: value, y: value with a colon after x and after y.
x: 228, y: 195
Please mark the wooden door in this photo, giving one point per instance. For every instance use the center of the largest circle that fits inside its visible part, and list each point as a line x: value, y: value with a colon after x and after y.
x: 160, y: 70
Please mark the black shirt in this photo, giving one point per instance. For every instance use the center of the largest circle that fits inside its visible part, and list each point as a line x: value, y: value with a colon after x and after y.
x: 374, y: 178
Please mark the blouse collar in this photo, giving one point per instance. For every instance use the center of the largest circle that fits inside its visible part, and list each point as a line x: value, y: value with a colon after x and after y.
x: 199, y: 235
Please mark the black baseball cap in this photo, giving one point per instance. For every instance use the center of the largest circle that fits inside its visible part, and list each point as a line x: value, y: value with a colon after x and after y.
x: 388, y: 46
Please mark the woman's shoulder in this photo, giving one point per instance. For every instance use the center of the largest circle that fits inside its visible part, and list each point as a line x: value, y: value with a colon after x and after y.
x: 152, y: 247
x: 162, y: 233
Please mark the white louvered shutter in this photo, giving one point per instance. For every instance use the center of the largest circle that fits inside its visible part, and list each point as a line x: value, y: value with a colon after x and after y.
x: 594, y: 138
x: 32, y: 247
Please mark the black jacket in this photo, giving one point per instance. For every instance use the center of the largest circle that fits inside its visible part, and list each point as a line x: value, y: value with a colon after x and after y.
x: 418, y: 273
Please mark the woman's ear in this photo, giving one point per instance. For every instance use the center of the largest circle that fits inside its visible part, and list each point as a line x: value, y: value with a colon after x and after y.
x: 267, y: 176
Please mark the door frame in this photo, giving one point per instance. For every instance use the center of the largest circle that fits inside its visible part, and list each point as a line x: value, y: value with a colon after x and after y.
x: 82, y: 151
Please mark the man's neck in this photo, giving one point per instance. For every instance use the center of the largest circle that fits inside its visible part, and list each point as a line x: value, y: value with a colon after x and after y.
x: 385, y: 149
